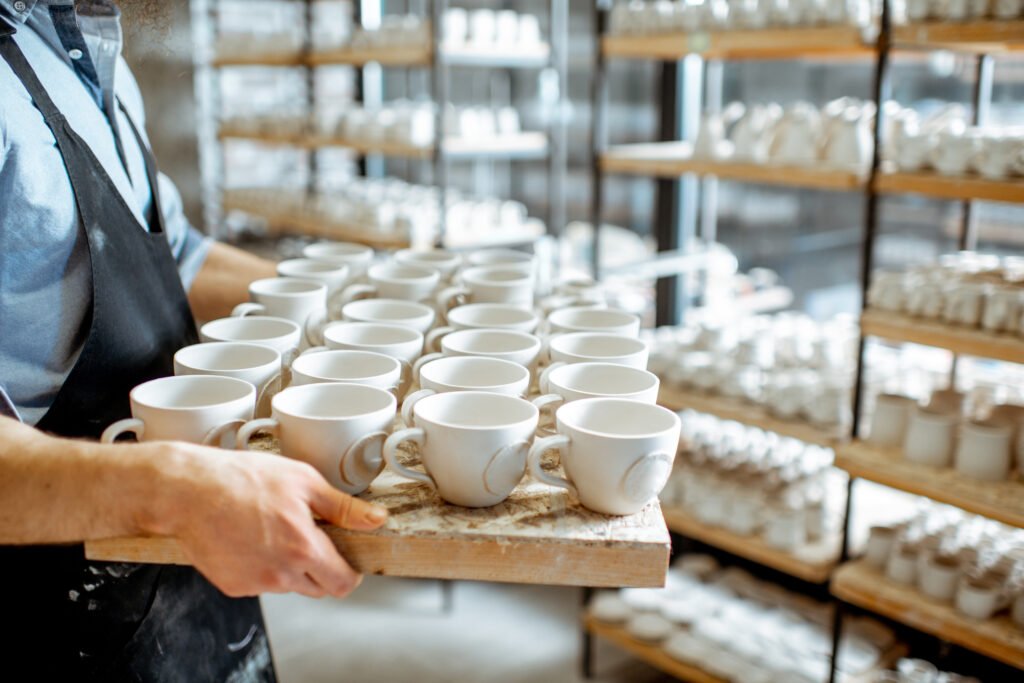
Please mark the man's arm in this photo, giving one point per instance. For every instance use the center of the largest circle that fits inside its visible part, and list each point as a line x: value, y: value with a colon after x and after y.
x: 223, y: 280
x: 245, y: 520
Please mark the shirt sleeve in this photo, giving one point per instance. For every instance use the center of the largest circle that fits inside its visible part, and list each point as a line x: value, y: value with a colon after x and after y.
x: 189, y: 246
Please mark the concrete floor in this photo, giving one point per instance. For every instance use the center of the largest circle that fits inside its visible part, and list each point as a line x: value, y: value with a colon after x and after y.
x: 396, y: 630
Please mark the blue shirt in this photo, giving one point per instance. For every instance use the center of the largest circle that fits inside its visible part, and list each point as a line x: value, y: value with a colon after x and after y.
x: 45, y: 283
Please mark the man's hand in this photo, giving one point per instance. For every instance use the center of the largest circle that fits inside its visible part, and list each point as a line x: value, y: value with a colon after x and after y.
x: 245, y: 521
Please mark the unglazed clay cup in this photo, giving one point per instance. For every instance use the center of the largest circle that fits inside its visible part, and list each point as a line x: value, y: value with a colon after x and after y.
x: 606, y: 320
x: 256, y: 364
x: 598, y: 347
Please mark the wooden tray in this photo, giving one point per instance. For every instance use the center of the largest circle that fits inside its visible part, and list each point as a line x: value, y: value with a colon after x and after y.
x: 859, y: 584
x: 539, y: 535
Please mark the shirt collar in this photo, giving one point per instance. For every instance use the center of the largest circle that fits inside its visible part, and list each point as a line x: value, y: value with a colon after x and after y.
x: 18, y: 10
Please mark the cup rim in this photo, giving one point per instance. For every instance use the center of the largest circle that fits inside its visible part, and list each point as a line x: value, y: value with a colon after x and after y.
x: 356, y: 355
x: 566, y: 415
x: 318, y: 267
x: 415, y: 336
x: 558, y: 341
x: 531, y: 341
x: 139, y: 392
x: 436, y: 256
x: 625, y: 318
x: 281, y: 399
x: 312, y: 287
x: 475, y: 397
x: 345, y: 250
x: 421, y: 310
x: 383, y: 272
x: 653, y: 380
x: 479, y: 360
x: 525, y: 315
x: 181, y: 354
x: 292, y: 326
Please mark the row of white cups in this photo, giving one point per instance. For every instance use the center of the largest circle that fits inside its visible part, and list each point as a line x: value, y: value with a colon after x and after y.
x: 637, y: 17
x: 347, y: 336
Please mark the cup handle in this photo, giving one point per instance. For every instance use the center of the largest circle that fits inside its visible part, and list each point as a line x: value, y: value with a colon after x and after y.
x: 269, y: 390
x: 432, y: 344
x: 540, y: 446
x: 410, y: 402
x: 647, y: 477
x: 250, y: 428
x: 358, y: 465
x: 543, y: 383
x: 506, y: 468
x: 552, y: 401
x: 416, y: 436
x: 354, y: 293
x: 248, y: 308
x: 131, y: 424
x: 215, y: 437
x: 405, y: 380
x: 314, y: 328
x: 423, y: 360
x: 449, y: 298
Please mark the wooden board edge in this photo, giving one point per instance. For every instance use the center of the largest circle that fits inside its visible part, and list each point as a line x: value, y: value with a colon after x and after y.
x: 534, y: 561
x: 651, y: 654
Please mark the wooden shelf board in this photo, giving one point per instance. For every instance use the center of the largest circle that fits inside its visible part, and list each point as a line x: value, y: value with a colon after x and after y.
x: 796, y: 43
x: 538, y: 535
x: 960, y: 340
x: 528, y: 144
x: 284, y: 59
x: 673, y: 159
x: 861, y: 585
x: 416, y: 55
x: 747, y: 413
x: 951, y: 187
x: 1002, y: 501
x: 997, y: 35
x: 812, y: 563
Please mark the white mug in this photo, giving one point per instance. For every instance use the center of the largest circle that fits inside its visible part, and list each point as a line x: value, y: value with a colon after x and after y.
x: 964, y: 303
x: 985, y: 451
x: 321, y: 365
x: 337, y: 428
x: 518, y: 347
x: 390, y: 311
x: 480, y: 316
x: 617, y: 454
x: 444, y: 262
x: 502, y: 257
x: 890, y: 419
x: 472, y: 444
x: 194, y: 408
x: 939, y: 577
x: 356, y: 256
x: 490, y: 285
x: 256, y: 364
x: 394, y: 281
x: 301, y: 301
x: 467, y: 373
x: 333, y: 275
x: 881, y: 540
x: 598, y: 347
x: 561, y: 383
x: 606, y: 320
x: 977, y: 598
x: 284, y: 336
x: 901, y: 566
x: 397, y: 341
x: 930, y: 438
x: 1004, y: 307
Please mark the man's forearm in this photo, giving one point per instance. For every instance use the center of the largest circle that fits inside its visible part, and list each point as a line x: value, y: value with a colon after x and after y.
x: 223, y: 281
x: 61, y: 490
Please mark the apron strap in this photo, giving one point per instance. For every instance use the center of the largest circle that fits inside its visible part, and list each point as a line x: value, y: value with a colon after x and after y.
x: 15, y: 58
x: 156, y: 214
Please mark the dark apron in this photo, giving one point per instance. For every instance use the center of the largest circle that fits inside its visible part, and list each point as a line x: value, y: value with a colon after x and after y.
x: 73, y: 620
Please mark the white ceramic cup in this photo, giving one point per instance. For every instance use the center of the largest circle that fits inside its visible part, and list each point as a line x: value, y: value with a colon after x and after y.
x: 481, y: 316
x: 939, y: 577
x: 890, y: 419
x: 881, y: 540
x: 256, y: 364
x: 561, y: 383
x: 978, y: 599
x: 390, y: 312
x: 356, y: 256
x: 444, y: 262
x: 194, y: 408
x: 518, y: 347
x: 394, y: 281
x: 930, y: 438
x: 337, y: 428
x: 402, y: 343
x: 985, y: 451
x: 490, y: 285
x: 901, y: 566
x: 964, y: 303
x: 467, y: 373
x: 598, y: 347
x: 472, y: 444
x: 617, y: 454
x: 502, y: 257
x: 333, y: 275
x: 301, y: 301
x: 284, y: 336
x: 1004, y: 307
x: 321, y: 365
x: 606, y: 320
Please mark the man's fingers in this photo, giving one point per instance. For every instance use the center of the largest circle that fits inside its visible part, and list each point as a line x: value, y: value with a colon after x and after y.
x: 330, y: 570
x: 341, y: 509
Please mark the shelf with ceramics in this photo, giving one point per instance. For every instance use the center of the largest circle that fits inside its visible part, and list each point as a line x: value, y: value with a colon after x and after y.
x: 861, y: 584
x: 963, y: 187
x: 771, y: 500
x: 827, y: 148
x: 981, y: 35
x: 710, y: 626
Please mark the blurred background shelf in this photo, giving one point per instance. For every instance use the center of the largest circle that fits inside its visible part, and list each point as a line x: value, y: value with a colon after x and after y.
x: 997, y: 35
x: 813, y: 562
x: 794, y: 43
x: 747, y: 413
x: 951, y: 187
x: 863, y: 586
x: 674, y: 159
x: 960, y: 340
x: 1002, y: 501
x: 510, y: 57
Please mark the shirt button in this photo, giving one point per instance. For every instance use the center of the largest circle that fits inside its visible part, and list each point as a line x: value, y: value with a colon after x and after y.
x: 75, y: 53
x: 20, y: 6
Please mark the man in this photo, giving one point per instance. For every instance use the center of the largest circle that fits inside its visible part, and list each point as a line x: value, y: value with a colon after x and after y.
x: 95, y: 258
